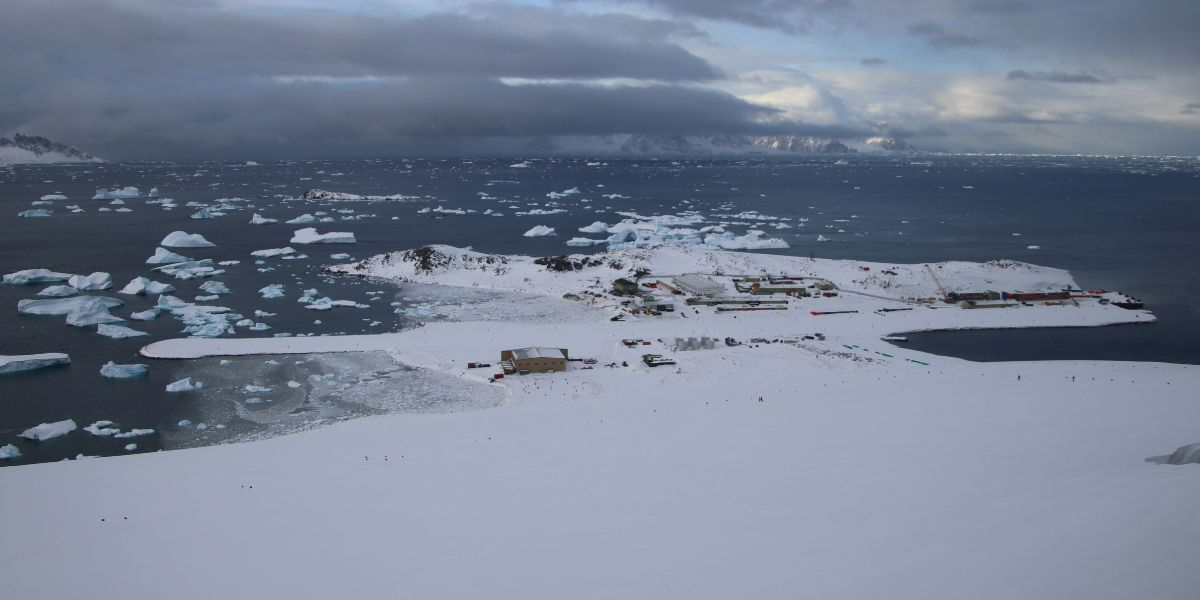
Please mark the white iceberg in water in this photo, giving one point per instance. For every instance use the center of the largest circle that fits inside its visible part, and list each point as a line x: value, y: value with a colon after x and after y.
x: 753, y: 240
x: 91, y: 283
x: 258, y: 219
x: 595, y: 227
x: 114, y: 371
x: 273, y: 252
x: 80, y: 311
x: 30, y: 362
x: 146, y: 315
x: 539, y: 231
x: 141, y: 286
x: 118, y: 332
x: 47, y: 431
x: 127, y: 192
x: 309, y: 235
x: 52, y: 197
x: 180, y: 239
x: 204, y: 213
x: 184, y: 385
x: 821, y: 238
x: 214, y: 287
x: 31, y: 276
x: 58, y: 291
x: 34, y: 213
x: 579, y: 241
x: 9, y: 451
x: 275, y: 290
x: 162, y: 256
x: 304, y: 218
x: 102, y: 428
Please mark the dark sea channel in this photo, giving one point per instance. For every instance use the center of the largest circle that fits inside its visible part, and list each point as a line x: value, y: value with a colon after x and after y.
x: 1120, y: 223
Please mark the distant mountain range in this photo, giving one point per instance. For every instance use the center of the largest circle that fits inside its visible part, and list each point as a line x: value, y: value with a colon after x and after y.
x: 719, y: 145
x: 23, y: 149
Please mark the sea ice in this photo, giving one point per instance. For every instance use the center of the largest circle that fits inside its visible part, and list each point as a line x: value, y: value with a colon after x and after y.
x: 101, y: 428
x: 146, y: 315
x: 162, y: 256
x: 340, y: 256
x: 304, y: 218
x: 595, y: 227
x: 273, y: 252
x: 204, y: 213
x: 115, y: 371
x: 29, y: 362
x: 91, y: 283
x: 31, y: 276
x: 34, y: 213
x: 54, y: 197
x: 581, y: 241
x: 47, y: 431
x: 133, y: 433
x: 275, y: 290
x: 80, y: 311
x: 180, y: 239
x: 184, y: 385
x: 309, y: 235
x: 539, y: 231
x: 58, y: 291
x: 9, y: 451
x: 118, y: 332
x: 107, y: 194
x: 130, y: 447
x: 258, y: 219
x: 141, y: 286
x: 214, y: 287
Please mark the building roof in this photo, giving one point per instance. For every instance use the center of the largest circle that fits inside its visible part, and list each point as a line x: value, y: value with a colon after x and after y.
x: 698, y: 284
x: 537, y: 352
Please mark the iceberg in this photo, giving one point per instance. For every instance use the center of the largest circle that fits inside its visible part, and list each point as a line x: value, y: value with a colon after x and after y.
x: 141, y: 286
x: 753, y: 240
x: 114, y: 371
x: 9, y: 451
x: 275, y: 290
x: 101, y: 428
x: 309, y: 235
x: 180, y: 239
x: 34, y: 213
x: 31, y: 276
x: 80, y: 311
x: 162, y: 256
x: 204, y: 213
x: 133, y: 433
x: 190, y: 269
x: 595, y: 227
x: 107, y: 194
x: 53, y: 197
x: 58, y: 291
x: 91, y: 283
x: 273, y: 252
x: 47, y: 431
x: 304, y: 218
x: 539, y: 231
x: 258, y: 219
x: 146, y: 315
x: 214, y: 287
x: 580, y: 241
x: 29, y: 362
x: 118, y: 332
x: 184, y: 385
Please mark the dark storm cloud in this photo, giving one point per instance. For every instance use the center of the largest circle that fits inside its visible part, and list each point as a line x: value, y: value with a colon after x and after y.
x: 999, y: 7
x: 1055, y: 77
x: 937, y: 36
x: 1191, y: 108
x: 413, y: 115
x: 141, y: 39
x: 791, y: 16
x: 873, y: 61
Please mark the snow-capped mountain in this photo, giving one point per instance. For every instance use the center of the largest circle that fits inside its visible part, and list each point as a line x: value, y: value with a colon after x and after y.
x: 21, y: 149
x: 686, y: 145
x: 881, y: 144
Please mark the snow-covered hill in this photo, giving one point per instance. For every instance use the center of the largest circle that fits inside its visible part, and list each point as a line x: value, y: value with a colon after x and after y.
x: 33, y: 149
x: 708, y: 145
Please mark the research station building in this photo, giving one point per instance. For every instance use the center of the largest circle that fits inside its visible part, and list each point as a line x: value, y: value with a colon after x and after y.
x: 535, y: 360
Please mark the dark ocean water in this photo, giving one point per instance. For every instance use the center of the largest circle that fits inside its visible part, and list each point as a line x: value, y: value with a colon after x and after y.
x: 1131, y: 224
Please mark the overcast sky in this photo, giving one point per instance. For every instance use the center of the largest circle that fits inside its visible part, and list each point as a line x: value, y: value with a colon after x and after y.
x: 177, y: 79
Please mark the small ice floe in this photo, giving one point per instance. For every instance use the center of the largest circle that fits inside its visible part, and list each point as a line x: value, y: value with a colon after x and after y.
x: 309, y: 235
x: 184, y: 385
x: 80, y: 311
x: 539, y: 231
x: 181, y: 239
x: 207, y: 298
x: 53, y: 197
x: 145, y: 315
x: 114, y: 371
x: 300, y: 220
x: 134, y: 433
x: 204, y: 213
x: 268, y: 253
x: 34, y: 213
x: 118, y: 332
x: 58, y: 291
x: 130, y: 447
x: 102, y: 428
x: 581, y: 241
x: 520, y: 165
x: 141, y: 286
x: 275, y: 290
x: 9, y: 451
x: 117, y: 202
x: 47, y: 431
x: 340, y: 256
x: 32, y: 276
x: 821, y: 238
x: 329, y: 304
x: 191, y: 269
x: 258, y: 219
x: 262, y: 313
x: 91, y: 283
x: 595, y: 227
x: 1033, y: 247
x: 309, y: 296
x: 162, y: 256
x: 294, y: 384
x: 563, y: 194
x: 184, y: 422
x: 30, y: 362
x: 107, y: 194
x: 214, y: 287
